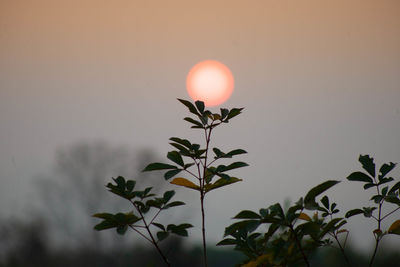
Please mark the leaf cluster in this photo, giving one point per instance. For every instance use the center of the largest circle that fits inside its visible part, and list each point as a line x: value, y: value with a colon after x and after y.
x: 290, y: 235
x: 143, y: 201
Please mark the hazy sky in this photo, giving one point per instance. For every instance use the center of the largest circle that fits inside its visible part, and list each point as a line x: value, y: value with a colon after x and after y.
x: 319, y: 80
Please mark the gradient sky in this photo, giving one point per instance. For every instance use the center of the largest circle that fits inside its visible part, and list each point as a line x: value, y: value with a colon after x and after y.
x: 319, y: 80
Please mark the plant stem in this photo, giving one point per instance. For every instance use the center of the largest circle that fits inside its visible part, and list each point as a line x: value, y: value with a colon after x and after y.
x: 377, y: 236
x: 299, y: 245
x: 153, y: 241
x: 202, y: 194
x: 342, y: 250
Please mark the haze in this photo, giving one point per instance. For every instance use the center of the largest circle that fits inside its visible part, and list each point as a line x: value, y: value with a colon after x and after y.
x: 319, y: 80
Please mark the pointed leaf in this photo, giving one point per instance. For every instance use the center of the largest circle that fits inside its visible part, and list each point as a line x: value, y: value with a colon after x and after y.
x: 385, y: 169
x: 367, y: 164
x: 162, y: 235
x: 158, y: 166
x: 235, y: 165
x: 195, y: 122
x: 185, y: 182
x: 169, y: 174
x: 159, y: 226
x: 189, y: 105
x: 227, y: 242
x: 359, y: 176
x: 200, y: 106
x: 317, y: 190
x: 221, y: 182
x: 394, y: 188
x: 247, y: 214
x: 325, y: 202
x: 353, y: 212
x: 175, y: 157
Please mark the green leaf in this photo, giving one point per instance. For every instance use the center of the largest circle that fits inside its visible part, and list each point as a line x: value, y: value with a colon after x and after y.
x: 353, y: 212
x: 183, y: 142
x: 377, y: 198
x: 392, y: 199
x: 309, y: 199
x: 385, y: 169
x: 158, y: 166
x: 130, y: 185
x: 159, y: 226
x: 168, y: 195
x: 247, y: 214
x: 189, y: 105
x: 236, y: 152
x: 185, y: 182
x: 224, y: 113
x: 175, y: 157
x: 174, y: 204
x: 221, y: 182
x: 169, y: 174
x: 227, y: 242
x: 395, y: 228
x: 200, y: 106
x: 235, y: 165
x: 233, y: 113
x: 162, y: 235
x: 368, y: 185
x: 359, y: 176
x: 196, y: 123
x: 325, y: 202
x: 105, y: 225
x: 368, y: 164
x: 394, y: 188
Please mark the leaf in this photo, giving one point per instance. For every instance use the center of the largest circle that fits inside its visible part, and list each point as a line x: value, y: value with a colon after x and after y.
x: 200, y: 106
x: 385, y: 169
x: 394, y: 188
x: 304, y: 217
x: 330, y: 226
x: 368, y: 185
x: 190, y: 106
x: 247, y: 214
x: 162, y: 235
x: 196, y: 123
x: 235, y: 165
x: 183, y: 142
x: 158, y: 166
x: 169, y: 174
x: 175, y: 157
x: 185, y: 182
x: 392, y: 199
x: 174, y: 204
x: 236, y: 152
x: 325, y: 202
x: 227, y: 242
x: 317, y: 190
x: 367, y: 164
x: 353, y: 212
x: 168, y: 195
x: 233, y: 113
x: 361, y: 177
x: 224, y: 113
x: 221, y: 182
x: 159, y: 226
x: 395, y: 228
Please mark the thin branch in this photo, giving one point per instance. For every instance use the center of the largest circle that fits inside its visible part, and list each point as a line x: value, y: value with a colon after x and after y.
x: 140, y: 233
x: 390, y: 213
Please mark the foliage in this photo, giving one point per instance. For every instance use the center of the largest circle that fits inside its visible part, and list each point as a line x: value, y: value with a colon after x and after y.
x: 195, y: 161
x: 143, y: 202
x: 385, y: 194
x: 272, y: 236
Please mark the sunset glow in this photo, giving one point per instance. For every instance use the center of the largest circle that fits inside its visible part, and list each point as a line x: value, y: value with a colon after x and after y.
x: 210, y: 81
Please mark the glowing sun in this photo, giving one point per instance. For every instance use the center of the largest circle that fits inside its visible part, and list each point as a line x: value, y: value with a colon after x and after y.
x: 211, y: 82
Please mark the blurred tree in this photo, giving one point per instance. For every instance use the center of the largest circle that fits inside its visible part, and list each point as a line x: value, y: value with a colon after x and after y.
x: 75, y: 188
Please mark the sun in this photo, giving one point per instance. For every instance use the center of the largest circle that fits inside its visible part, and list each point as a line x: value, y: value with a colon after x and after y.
x: 211, y: 82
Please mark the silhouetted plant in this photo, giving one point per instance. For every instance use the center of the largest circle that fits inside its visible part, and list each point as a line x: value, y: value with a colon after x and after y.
x: 384, y: 195
x: 200, y: 166
x: 291, y: 235
x: 143, y: 202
